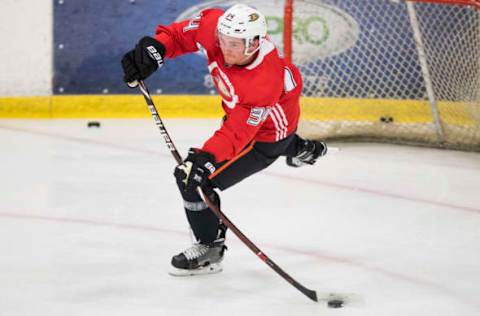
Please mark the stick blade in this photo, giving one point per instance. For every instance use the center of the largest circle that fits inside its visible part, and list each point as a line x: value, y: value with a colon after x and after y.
x: 332, y: 150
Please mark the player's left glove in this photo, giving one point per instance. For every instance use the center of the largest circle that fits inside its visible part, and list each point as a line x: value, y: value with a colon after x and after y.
x: 141, y: 62
x: 195, y: 170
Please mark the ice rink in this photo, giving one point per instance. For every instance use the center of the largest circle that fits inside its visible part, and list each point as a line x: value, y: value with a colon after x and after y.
x: 90, y: 217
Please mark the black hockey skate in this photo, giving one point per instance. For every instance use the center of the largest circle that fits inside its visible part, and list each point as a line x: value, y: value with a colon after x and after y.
x: 199, y: 259
x: 308, y: 153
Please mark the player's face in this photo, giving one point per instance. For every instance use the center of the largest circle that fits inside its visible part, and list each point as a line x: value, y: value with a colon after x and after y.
x: 233, y: 50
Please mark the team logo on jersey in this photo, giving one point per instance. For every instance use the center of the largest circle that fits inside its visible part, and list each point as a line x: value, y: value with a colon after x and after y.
x: 223, y: 85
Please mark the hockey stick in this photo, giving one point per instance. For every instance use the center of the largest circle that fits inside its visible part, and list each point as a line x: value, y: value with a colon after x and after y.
x: 215, y: 209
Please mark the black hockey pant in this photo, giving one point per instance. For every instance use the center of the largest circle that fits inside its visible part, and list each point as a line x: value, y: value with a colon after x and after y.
x: 252, y: 159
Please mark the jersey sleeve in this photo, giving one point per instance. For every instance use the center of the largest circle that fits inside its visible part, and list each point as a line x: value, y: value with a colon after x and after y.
x: 181, y: 37
x: 236, y: 132
x: 177, y: 38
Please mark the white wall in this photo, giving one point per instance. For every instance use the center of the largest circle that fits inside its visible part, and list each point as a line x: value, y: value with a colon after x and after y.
x: 26, y: 37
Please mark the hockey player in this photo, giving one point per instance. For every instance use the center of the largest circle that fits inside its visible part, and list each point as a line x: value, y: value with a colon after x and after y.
x: 260, y: 96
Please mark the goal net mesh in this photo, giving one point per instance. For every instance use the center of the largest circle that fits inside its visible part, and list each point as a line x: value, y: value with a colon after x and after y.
x: 389, y: 71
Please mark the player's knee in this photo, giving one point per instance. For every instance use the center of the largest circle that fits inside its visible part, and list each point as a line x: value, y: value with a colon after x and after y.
x: 193, y: 202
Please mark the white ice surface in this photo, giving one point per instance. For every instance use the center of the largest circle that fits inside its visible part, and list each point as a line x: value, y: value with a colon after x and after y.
x: 89, y: 219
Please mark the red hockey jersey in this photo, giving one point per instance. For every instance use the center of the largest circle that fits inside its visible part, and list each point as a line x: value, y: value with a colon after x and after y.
x: 260, y: 100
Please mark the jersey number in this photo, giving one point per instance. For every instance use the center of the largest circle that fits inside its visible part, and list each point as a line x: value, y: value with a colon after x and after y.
x: 193, y: 24
x: 257, y: 115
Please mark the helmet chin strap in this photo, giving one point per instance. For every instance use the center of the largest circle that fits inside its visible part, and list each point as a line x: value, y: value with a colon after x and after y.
x: 249, y: 43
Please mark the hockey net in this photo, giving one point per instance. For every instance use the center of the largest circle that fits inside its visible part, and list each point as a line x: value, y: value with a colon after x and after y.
x: 388, y: 70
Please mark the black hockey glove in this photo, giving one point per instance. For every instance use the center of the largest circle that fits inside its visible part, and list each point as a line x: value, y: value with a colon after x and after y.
x: 308, y: 153
x: 141, y: 62
x: 194, y: 171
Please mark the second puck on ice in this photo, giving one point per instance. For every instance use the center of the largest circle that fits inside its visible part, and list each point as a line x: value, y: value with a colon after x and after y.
x: 335, y: 303
x: 93, y: 124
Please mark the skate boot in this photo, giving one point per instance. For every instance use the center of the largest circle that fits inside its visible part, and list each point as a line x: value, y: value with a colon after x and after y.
x: 308, y: 153
x: 199, y: 259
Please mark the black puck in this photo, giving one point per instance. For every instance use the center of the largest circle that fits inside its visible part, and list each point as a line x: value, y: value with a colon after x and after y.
x: 335, y: 303
x: 386, y: 119
x: 93, y: 124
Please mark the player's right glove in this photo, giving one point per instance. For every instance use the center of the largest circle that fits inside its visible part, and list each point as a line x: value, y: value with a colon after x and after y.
x: 141, y: 62
x: 195, y: 170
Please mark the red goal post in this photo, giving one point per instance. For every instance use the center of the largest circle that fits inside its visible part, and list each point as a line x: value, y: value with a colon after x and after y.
x: 388, y: 70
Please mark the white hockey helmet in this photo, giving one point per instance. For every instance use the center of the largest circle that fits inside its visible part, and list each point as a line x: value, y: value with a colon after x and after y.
x: 242, y: 21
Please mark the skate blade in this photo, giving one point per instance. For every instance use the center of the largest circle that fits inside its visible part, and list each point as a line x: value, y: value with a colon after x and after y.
x: 210, y: 269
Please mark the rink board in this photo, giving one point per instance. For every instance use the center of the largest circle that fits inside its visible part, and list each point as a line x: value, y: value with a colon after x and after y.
x: 202, y: 106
